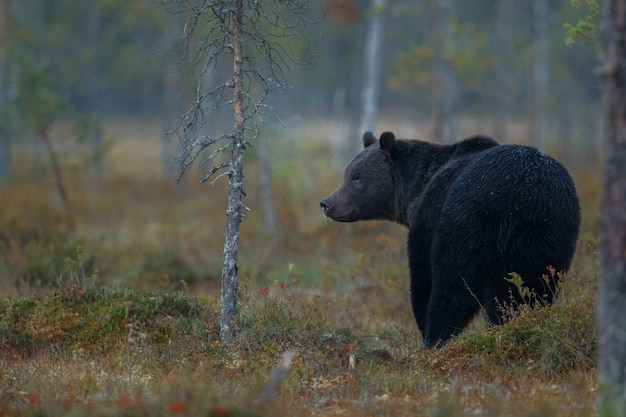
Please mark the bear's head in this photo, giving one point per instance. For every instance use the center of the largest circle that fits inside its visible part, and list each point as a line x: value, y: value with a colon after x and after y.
x: 367, y: 191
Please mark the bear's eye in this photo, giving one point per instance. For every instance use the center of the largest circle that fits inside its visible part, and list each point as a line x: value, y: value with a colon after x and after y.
x: 356, y: 178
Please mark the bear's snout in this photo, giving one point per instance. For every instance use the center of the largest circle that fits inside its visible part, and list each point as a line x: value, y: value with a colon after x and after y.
x: 325, y: 204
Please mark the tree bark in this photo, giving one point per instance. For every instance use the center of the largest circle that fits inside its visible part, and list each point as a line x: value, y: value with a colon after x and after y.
x: 44, y: 134
x: 371, y: 83
x: 540, y: 74
x: 444, y: 86
x: 338, y: 145
x: 504, y: 42
x: 437, y: 91
x: 612, y: 309
x: 173, y: 102
x: 230, y: 280
x: 265, y: 180
x: 172, y: 105
x: 5, y: 124
x: 97, y: 139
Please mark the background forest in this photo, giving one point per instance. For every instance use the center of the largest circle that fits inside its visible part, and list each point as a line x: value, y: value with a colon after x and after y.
x: 500, y: 61
x: 111, y: 268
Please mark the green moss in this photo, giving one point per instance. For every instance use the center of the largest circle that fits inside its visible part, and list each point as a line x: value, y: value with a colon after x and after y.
x: 94, y: 317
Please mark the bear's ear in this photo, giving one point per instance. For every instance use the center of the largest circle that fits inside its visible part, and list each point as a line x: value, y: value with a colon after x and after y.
x: 387, y: 140
x: 368, y: 139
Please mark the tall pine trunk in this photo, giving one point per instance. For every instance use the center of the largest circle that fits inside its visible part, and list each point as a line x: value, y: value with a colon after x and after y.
x: 230, y: 280
x: 612, y: 309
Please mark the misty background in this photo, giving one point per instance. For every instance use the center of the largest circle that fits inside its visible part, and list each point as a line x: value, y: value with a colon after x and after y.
x: 90, y: 90
x: 493, y: 67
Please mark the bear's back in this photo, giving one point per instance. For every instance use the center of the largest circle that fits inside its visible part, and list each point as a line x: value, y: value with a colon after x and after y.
x: 486, y: 179
x: 473, y: 145
x: 518, y: 189
x: 510, y: 167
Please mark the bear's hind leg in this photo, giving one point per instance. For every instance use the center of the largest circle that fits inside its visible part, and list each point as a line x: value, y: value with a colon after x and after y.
x: 502, y: 299
x: 448, y: 315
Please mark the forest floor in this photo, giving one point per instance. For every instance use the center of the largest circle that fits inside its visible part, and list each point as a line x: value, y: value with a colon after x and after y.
x: 114, y: 311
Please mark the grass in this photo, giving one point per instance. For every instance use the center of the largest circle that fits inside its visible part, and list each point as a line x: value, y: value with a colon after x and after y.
x: 95, y: 351
x: 116, y: 312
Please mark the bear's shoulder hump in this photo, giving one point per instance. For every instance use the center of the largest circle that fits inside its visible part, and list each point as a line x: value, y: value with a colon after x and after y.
x: 473, y: 145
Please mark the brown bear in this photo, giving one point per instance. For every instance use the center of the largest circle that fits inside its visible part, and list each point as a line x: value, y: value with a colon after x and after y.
x: 476, y: 212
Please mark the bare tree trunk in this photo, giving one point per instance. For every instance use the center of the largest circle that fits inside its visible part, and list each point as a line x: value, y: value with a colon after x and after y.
x: 222, y: 30
x: 5, y: 137
x: 171, y: 109
x: 612, y: 309
x: 95, y: 33
x: 230, y: 280
x: 371, y: 84
x: 540, y: 74
x: 444, y: 88
x: 338, y: 149
x: 172, y: 100
x: 506, y: 18
x: 44, y: 135
x: 265, y: 179
x: 437, y: 92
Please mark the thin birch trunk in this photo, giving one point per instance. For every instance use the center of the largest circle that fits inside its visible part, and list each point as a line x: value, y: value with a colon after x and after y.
x: 338, y: 134
x: 230, y: 280
x: 97, y: 137
x: 172, y: 100
x: 371, y: 83
x: 540, y: 74
x: 444, y: 85
x: 5, y: 123
x: 506, y: 19
x: 265, y: 179
x: 44, y: 135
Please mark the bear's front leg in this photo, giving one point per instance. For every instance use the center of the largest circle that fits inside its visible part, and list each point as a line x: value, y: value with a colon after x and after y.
x: 421, y: 279
x: 419, y: 303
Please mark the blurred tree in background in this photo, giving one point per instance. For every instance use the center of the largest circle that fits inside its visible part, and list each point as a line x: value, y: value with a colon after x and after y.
x: 372, y: 64
x: 85, y: 61
x: 5, y: 134
x: 38, y: 106
x: 98, y: 64
x: 112, y: 58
